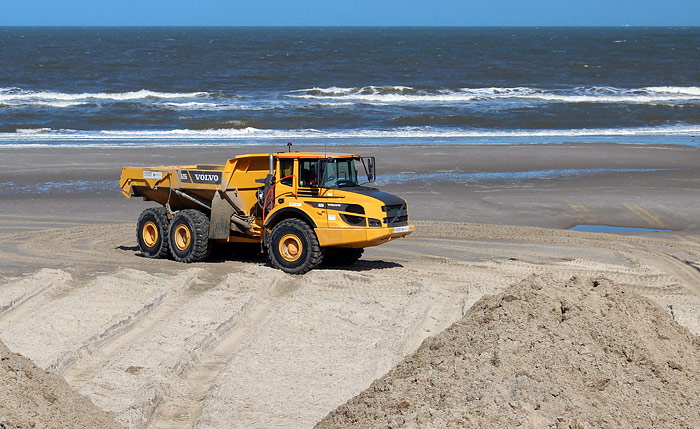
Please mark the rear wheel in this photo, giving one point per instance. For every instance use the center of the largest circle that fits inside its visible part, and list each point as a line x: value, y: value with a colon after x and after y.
x: 342, y: 257
x: 152, y: 232
x: 293, y: 247
x: 189, y: 236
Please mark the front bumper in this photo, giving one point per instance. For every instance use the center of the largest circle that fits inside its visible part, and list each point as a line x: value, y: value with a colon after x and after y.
x: 360, y: 237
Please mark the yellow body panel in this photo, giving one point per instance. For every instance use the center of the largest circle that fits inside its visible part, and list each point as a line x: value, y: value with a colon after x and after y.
x: 358, y: 237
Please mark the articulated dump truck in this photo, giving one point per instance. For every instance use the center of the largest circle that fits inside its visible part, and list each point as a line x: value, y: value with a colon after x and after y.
x: 301, y: 208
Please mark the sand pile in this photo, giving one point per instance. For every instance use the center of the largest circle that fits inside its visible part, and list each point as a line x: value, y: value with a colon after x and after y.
x: 584, y: 353
x: 32, y: 397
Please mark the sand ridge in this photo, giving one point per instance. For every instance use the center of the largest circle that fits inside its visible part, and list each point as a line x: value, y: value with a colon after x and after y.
x: 543, y: 353
x: 33, y: 397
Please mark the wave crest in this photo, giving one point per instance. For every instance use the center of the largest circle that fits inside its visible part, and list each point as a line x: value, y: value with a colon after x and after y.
x: 238, y: 130
x: 17, y: 94
x: 406, y: 94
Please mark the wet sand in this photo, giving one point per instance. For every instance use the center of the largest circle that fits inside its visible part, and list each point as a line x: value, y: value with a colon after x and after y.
x: 663, y: 199
x: 162, y: 344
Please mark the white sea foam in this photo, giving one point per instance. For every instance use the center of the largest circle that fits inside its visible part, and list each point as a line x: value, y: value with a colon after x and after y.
x: 194, y: 105
x: 57, y: 104
x: 47, y: 135
x: 32, y: 131
x: 382, y: 95
x: 404, y: 94
x: 17, y: 94
x: 333, y: 104
x: 692, y: 91
x: 376, y: 94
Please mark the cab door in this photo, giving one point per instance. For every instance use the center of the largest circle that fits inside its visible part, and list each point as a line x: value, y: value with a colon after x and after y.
x: 309, y: 192
x: 284, y: 189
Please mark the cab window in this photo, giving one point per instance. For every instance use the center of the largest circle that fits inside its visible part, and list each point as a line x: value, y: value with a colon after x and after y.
x: 339, y: 173
x: 307, y: 172
x: 287, y: 169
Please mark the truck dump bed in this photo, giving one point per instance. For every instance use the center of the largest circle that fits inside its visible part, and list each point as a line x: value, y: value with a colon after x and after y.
x: 179, y: 185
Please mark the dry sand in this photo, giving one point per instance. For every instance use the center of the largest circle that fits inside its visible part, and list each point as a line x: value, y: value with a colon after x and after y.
x: 234, y: 342
x: 580, y: 353
x: 33, y: 397
x: 162, y: 344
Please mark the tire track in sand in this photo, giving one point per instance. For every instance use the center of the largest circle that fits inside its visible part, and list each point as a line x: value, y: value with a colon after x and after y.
x: 68, y: 322
x: 101, y: 247
x: 56, y: 286
x: 683, y: 271
x: 646, y: 215
x: 82, y: 370
x: 185, y: 405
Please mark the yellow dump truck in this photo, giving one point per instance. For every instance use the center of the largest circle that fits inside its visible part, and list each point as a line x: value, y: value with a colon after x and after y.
x: 301, y: 207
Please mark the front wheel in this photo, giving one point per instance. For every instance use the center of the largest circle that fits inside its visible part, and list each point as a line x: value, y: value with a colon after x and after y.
x: 152, y: 232
x: 189, y: 236
x: 293, y: 247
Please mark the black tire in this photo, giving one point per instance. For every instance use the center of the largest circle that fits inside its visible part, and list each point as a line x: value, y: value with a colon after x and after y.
x: 152, y: 232
x: 341, y: 257
x: 189, y: 236
x: 293, y: 247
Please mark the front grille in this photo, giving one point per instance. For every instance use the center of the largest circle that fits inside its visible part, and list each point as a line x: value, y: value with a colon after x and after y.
x: 396, y: 215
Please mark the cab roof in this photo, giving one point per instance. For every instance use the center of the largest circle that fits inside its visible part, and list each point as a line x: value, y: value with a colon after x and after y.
x: 317, y: 155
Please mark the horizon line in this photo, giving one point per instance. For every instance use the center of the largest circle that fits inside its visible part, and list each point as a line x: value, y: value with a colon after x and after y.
x: 344, y: 26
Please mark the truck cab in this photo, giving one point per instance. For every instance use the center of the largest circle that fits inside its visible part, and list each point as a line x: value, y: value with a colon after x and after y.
x: 333, y: 191
x: 329, y: 192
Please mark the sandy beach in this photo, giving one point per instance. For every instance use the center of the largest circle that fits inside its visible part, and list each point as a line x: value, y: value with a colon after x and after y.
x: 162, y: 344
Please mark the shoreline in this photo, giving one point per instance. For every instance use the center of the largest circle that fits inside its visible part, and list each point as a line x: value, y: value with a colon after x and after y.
x: 7, y: 140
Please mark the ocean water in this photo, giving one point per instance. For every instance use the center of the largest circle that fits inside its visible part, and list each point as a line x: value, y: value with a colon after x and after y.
x: 236, y: 86
x: 491, y: 177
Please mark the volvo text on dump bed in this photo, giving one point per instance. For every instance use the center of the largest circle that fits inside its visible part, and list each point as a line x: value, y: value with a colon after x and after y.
x: 303, y: 208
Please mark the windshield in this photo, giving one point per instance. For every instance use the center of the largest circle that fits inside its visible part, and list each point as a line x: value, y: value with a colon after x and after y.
x: 339, y: 173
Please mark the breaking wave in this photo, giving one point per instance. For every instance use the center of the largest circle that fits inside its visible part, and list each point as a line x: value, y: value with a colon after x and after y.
x: 43, y: 103
x: 336, y: 97
x: 14, y: 95
x: 46, y: 134
x: 195, y: 105
x: 406, y: 94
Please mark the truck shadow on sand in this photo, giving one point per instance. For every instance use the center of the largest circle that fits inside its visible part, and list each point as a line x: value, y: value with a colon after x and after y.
x: 363, y: 265
x: 221, y: 255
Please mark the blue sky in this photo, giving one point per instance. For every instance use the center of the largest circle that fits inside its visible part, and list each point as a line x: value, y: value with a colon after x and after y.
x: 350, y: 12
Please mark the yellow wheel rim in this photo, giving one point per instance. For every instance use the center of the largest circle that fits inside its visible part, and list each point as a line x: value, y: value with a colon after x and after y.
x: 290, y: 247
x: 149, y: 232
x: 182, y: 237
